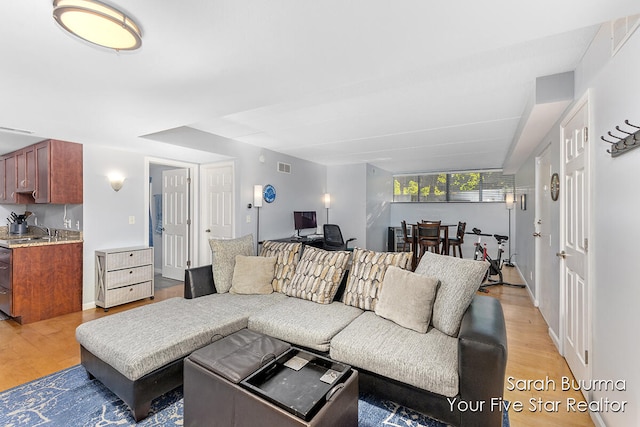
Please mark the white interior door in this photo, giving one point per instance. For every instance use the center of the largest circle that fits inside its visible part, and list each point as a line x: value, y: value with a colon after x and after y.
x: 545, y: 279
x: 217, y: 206
x: 175, y: 219
x: 574, y: 183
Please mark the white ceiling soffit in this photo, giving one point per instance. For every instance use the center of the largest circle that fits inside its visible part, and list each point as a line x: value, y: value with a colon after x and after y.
x: 551, y: 97
x: 407, y: 86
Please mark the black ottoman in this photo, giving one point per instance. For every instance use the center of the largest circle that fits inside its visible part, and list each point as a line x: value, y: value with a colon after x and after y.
x: 216, y: 395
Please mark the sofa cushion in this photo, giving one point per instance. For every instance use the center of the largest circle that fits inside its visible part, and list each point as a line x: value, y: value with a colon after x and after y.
x: 287, y: 256
x: 253, y: 275
x: 302, y: 322
x: 407, y: 298
x: 427, y: 361
x: 459, y: 281
x: 143, y: 339
x: 367, y: 272
x: 318, y: 275
x: 224, y: 253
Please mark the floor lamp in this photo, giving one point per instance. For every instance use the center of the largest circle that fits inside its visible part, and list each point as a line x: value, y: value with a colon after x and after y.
x: 257, y: 203
x: 510, y: 202
x: 327, y: 204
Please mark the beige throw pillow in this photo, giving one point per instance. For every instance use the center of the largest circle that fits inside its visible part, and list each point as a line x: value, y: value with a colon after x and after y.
x: 224, y: 253
x: 459, y: 279
x: 407, y: 298
x: 253, y: 275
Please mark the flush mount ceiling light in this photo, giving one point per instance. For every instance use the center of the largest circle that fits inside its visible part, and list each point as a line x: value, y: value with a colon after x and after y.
x: 97, y: 23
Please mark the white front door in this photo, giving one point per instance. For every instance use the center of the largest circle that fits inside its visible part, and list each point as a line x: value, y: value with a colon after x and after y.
x: 574, y: 190
x: 546, y: 281
x: 175, y: 218
x: 217, y: 206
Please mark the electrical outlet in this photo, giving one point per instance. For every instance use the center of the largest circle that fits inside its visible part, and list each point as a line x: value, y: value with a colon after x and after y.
x: 248, y: 218
x: 132, y: 219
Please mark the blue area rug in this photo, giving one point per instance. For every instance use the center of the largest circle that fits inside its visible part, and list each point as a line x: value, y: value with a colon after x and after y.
x: 69, y: 398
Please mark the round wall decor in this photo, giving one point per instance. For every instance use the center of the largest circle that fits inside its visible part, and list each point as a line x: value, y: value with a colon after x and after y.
x: 269, y: 193
x: 555, y: 186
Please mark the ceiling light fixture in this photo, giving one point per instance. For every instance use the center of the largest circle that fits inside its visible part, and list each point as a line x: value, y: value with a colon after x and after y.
x: 97, y: 23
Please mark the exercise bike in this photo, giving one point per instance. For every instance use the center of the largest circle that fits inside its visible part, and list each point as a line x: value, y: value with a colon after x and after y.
x: 495, y: 265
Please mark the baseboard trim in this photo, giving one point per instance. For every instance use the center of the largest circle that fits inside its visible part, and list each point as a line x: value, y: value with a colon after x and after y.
x: 534, y: 301
x: 554, y: 338
x: 597, y: 419
x: 89, y: 306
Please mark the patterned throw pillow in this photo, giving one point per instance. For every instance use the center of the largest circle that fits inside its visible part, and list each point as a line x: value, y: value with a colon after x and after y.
x: 224, y: 253
x: 459, y: 281
x: 287, y: 255
x: 318, y: 275
x: 367, y: 272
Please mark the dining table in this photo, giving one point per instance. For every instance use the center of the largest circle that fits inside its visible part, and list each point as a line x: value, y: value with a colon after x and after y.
x: 444, y: 234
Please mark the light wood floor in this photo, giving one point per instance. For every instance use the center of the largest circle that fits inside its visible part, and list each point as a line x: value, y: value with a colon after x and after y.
x: 32, y: 351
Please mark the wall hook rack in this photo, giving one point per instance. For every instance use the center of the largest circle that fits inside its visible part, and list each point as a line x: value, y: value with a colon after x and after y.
x: 623, y: 144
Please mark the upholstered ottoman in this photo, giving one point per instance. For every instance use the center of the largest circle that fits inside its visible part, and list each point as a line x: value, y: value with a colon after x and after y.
x: 138, y: 354
x: 218, y: 391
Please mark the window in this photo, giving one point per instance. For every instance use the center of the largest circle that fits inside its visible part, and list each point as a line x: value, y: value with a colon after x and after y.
x: 488, y: 186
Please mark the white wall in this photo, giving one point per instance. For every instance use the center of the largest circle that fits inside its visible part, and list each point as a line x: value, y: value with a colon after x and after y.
x: 347, y: 185
x: 379, y: 194
x: 614, y: 235
x: 613, y: 88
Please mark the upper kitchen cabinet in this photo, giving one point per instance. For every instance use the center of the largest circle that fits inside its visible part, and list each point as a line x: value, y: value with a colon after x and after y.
x: 47, y: 172
x: 26, y: 170
x: 59, y: 172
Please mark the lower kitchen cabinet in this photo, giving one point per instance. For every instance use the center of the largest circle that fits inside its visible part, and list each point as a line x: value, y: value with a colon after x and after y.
x: 123, y: 275
x: 44, y: 281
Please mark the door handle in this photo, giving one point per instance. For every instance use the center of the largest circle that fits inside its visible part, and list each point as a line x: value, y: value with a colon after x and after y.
x: 561, y: 254
x: 537, y: 234
x: 207, y: 230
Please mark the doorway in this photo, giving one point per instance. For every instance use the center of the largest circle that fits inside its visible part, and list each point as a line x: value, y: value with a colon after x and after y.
x: 546, y: 267
x: 217, y: 206
x: 173, y: 249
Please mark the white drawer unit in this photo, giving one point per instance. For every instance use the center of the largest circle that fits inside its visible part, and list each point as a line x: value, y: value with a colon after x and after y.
x: 123, y: 275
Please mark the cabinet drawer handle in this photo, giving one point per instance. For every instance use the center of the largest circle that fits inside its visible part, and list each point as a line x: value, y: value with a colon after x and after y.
x: 131, y: 254
x: 130, y: 289
x: 131, y: 272
x: 4, y: 268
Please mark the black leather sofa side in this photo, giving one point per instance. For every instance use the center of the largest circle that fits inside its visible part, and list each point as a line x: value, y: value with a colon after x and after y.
x: 198, y: 282
x: 482, y: 362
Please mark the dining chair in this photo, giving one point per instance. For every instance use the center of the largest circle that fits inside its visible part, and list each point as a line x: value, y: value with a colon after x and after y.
x: 406, y: 240
x: 456, y: 242
x: 429, y: 237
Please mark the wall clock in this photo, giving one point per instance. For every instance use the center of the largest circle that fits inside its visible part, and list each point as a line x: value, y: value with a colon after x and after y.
x: 269, y: 193
x: 555, y: 186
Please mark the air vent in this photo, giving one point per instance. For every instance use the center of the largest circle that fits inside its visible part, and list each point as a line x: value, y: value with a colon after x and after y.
x: 284, y: 167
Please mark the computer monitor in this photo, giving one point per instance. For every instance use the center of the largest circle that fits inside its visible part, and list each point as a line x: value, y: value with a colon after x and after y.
x: 304, y: 220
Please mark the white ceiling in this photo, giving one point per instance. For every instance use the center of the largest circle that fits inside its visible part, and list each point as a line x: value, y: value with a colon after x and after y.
x: 404, y: 85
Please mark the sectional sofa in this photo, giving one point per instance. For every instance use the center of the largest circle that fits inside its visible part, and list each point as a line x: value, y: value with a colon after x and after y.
x: 423, y: 339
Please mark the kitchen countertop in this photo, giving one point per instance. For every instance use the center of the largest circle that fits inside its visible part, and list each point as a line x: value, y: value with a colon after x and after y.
x: 36, y: 237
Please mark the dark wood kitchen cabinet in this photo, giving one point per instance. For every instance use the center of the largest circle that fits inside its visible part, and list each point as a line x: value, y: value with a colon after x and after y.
x: 26, y: 170
x: 45, y: 281
x: 59, y: 172
x: 47, y: 172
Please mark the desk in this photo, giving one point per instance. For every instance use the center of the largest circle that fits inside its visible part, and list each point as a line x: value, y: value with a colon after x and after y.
x: 317, y: 242
x: 444, y: 229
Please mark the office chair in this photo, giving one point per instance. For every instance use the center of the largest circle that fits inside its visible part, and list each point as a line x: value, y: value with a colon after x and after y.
x: 333, y: 240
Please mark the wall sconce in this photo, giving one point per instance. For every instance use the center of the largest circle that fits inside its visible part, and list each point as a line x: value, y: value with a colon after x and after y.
x: 327, y: 204
x: 116, y: 180
x: 97, y: 23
